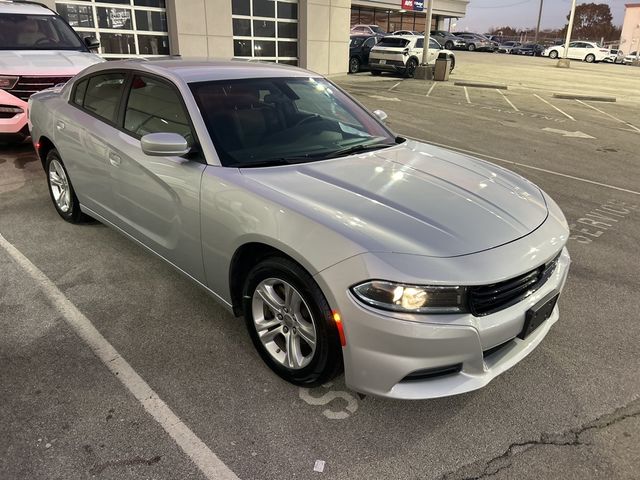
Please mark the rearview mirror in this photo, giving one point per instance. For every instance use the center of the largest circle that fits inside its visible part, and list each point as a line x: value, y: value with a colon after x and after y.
x: 164, y: 145
x: 380, y: 115
x: 92, y: 43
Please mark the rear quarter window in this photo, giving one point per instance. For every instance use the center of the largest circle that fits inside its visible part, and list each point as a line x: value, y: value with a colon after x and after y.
x: 393, y: 42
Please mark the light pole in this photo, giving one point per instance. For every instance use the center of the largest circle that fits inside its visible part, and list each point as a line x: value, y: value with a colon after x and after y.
x: 427, y: 34
x: 564, y: 61
x: 539, y: 19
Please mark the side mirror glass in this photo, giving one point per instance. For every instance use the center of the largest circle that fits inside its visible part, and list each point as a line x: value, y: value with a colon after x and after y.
x: 92, y: 43
x: 380, y: 115
x: 164, y: 145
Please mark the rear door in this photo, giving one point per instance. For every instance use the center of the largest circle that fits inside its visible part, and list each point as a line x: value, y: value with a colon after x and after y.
x: 158, y: 198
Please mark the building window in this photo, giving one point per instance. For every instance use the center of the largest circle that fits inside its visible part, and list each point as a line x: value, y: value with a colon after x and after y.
x: 266, y: 29
x: 125, y: 28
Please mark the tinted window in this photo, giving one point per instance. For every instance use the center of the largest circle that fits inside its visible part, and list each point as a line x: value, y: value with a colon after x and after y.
x: 393, y: 42
x: 420, y: 43
x: 153, y: 107
x: 272, y: 118
x: 434, y: 45
x: 103, y: 95
x: 78, y: 95
x: 370, y: 42
x: 356, y: 41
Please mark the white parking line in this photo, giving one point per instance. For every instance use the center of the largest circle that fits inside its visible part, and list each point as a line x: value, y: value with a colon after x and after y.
x: 466, y: 94
x: 395, y: 85
x: 431, y: 89
x: 553, y: 106
x: 609, y: 115
x: 531, y: 167
x: 507, y: 99
x: 208, y: 463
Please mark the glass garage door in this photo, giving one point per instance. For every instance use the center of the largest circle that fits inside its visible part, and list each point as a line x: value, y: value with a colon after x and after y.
x: 266, y: 30
x: 125, y: 28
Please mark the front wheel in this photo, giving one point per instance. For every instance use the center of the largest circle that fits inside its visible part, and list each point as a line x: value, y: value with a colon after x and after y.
x: 449, y: 45
x: 61, y: 191
x: 410, y: 69
x: 291, y: 323
x: 553, y: 54
x: 354, y: 65
x: 590, y: 58
x: 472, y: 47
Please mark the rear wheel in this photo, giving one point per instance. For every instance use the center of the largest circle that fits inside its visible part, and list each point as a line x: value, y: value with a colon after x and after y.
x: 61, y: 190
x: 291, y: 323
x: 590, y: 58
x: 410, y: 69
x: 553, y: 54
x: 354, y: 65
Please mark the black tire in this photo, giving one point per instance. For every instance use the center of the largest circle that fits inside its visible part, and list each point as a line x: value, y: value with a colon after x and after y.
x: 553, y: 54
x: 453, y: 64
x: 410, y: 69
x: 591, y: 58
x: 375, y: 73
x: 472, y: 47
x: 354, y: 65
x: 449, y: 45
x: 326, y: 362
x: 73, y: 214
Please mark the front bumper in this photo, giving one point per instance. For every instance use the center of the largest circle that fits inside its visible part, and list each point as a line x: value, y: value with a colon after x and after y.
x: 15, y: 125
x: 384, y: 348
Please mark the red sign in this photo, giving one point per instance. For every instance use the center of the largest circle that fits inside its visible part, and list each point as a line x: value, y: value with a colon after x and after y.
x: 413, y: 5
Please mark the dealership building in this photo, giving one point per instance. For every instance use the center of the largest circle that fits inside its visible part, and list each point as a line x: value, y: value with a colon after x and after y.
x: 313, y: 34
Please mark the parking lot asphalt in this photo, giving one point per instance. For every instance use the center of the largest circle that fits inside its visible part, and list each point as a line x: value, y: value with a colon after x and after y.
x: 569, y: 410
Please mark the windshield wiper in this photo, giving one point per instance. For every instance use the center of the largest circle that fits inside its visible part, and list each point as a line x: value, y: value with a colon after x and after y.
x: 357, y: 149
x: 272, y: 162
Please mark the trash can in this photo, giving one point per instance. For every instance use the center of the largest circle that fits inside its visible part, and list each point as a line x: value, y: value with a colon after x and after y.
x: 443, y: 67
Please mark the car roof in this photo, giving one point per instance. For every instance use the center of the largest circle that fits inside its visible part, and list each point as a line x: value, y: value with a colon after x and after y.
x: 24, y: 8
x: 203, y: 70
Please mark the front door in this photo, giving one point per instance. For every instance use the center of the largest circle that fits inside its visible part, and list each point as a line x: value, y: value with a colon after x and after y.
x: 157, y: 199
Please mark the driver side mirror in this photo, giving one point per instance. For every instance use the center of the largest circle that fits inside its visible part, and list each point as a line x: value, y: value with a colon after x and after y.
x: 380, y: 115
x: 164, y: 145
x: 92, y: 43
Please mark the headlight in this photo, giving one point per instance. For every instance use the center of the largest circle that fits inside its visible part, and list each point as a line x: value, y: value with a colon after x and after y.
x: 7, y: 83
x: 400, y: 297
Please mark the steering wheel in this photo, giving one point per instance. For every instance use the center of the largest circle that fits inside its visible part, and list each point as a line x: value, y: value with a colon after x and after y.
x: 315, y: 116
x: 44, y: 40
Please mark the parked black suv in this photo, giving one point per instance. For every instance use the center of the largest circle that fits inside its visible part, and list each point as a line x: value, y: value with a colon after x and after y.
x: 359, y: 48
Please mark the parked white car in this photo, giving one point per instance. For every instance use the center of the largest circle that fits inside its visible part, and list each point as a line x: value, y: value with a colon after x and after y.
x: 615, y: 56
x: 590, y: 52
x: 38, y: 50
x: 403, y: 54
x: 632, y: 57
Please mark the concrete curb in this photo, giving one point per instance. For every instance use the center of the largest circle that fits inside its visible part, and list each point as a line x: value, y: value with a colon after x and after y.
x: 593, y: 98
x: 465, y: 83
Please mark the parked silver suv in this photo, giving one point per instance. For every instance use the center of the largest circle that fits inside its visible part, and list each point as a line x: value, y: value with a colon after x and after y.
x: 403, y: 54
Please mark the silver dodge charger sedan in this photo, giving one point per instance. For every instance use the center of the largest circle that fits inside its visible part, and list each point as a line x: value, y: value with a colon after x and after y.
x: 420, y: 271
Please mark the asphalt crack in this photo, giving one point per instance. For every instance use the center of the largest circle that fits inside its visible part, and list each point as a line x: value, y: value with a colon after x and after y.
x: 570, y: 438
x: 99, y: 468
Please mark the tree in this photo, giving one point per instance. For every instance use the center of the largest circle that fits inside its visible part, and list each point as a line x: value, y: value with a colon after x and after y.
x: 593, y: 21
x: 504, y: 31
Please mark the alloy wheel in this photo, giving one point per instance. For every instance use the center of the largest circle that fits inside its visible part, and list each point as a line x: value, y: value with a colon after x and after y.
x: 59, y: 184
x: 284, y: 323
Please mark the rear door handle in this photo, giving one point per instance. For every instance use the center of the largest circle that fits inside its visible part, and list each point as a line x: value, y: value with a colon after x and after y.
x: 60, y: 125
x: 114, y: 159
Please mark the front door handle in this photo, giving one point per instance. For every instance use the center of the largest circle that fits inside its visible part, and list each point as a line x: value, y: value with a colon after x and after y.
x: 60, y: 125
x: 114, y: 159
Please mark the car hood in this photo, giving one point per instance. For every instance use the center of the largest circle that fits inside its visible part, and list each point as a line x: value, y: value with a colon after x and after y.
x: 413, y: 198
x: 45, y: 62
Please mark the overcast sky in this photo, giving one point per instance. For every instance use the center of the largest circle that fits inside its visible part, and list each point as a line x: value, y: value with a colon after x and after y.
x: 484, y: 14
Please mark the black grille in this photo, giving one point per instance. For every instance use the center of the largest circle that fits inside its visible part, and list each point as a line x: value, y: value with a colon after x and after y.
x: 488, y: 299
x: 27, y: 86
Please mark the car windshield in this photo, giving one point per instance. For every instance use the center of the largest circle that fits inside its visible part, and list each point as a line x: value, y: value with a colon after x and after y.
x: 393, y: 42
x: 356, y: 41
x: 267, y: 121
x: 36, y: 32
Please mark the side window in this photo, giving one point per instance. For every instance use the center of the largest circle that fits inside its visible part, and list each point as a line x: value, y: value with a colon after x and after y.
x: 370, y: 42
x: 78, y: 94
x: 103, y: 95
x: 420, y: 43
x: 155, y: 107
x: 434, y: 45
